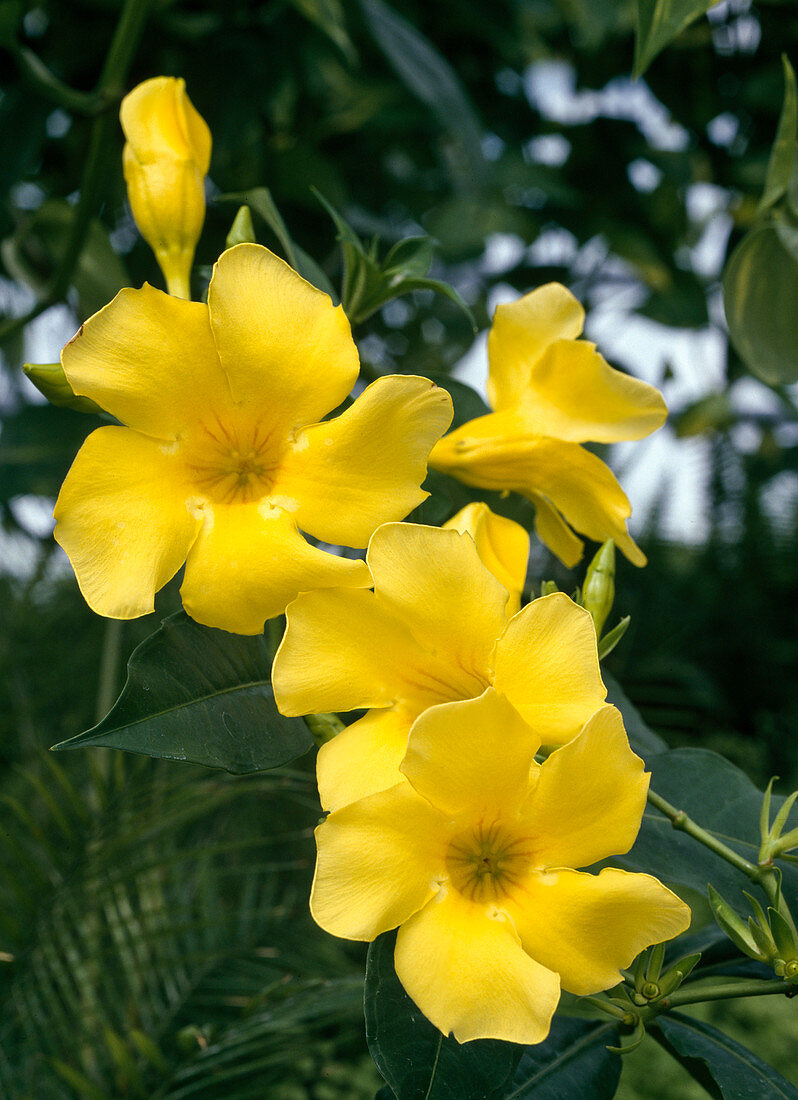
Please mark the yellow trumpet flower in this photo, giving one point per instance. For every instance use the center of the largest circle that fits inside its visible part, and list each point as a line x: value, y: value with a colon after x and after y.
x: 165, y: 161
x: 551, y: 392
x: 472, y: 860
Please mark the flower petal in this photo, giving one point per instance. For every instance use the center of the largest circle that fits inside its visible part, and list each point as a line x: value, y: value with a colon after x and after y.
x: 502, y: 545
x: 434, y: 581
x: 160, y: 122
x: 249, y: 562
x: 342, y: 649
x: 520, y: 334
x: 590, y: 927
x: 377, y: 862
x: 283, y: 345
x: 364, y: 758
x: 590, y: 796
x: 554, y: 532
x: 500, y: 451
x: 547, y: 665
x: 469, y: 975
x: 473, y: 756
x: 123, y: 521
x: 149, y: 359
x: 344, y: 477
x: 575, y: 395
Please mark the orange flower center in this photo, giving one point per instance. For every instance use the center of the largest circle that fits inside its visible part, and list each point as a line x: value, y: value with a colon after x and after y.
x: 233, y: 464
x: 486, y: 862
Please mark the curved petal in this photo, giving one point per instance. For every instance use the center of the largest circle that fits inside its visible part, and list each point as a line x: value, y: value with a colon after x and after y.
x: 364, y: 758
x: 520, y: 334
x: 500, y: 451
x: 123, y: 521
x: 160, y: 122
x: 554, y: 532
x: 342, y: 649
x: 469, y: 975
x: 502, y: 545
x: 283, y: 345
x: 590, y: 927
x: 546, y: 663
x: 476, y: 756
x: 434, y: 581
x: 590, y: 796
x: 377, y: 863
x: 341, y: 479
x: 249, y: 562
x: 149, y: 359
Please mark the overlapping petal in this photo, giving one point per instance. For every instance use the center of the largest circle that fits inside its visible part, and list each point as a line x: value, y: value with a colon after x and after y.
x: 363, y: 758
x: 472, y: 756
x: 160, y: 122
x: 283, y: 345
x: 520, y: 334
x: 344, y: 477
x: 590, y: 927
x: 376, y: 863
x: 131, y: 358
x: 590, y: 795
x: 123, y: 520
x: 502, y: 545
x: 469, y: 975
x: 546, y: 663
x: 554, y: 532
x: 249, y: 561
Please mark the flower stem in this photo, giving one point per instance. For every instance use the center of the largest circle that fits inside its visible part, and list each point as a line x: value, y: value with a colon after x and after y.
x: 680, y: 820
x: 109, y: 667
x: 694, y: 994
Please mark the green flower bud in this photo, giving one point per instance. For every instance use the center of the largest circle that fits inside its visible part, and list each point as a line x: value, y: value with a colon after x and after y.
x: 49, y: 379
x: 598, y: 592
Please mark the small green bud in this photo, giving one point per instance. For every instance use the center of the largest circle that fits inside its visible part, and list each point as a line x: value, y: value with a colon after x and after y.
x: 49, y: 379
x: 548, y: 587
x: 598, y: 591
x: 677, y: 973
x: 242, y: 231
x: 650, y: 991
x: 791, y: 971
x: 733, y: 925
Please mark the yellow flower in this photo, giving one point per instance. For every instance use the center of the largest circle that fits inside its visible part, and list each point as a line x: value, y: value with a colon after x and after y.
x: 435, y: 629
x: 471, y: 859
x: 551, y: 392
x: 502, y: 544
x: 165, y: 161
x: 223, y: 461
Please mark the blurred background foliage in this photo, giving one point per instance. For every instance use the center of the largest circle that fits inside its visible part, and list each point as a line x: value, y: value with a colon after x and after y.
x: 154, y: 936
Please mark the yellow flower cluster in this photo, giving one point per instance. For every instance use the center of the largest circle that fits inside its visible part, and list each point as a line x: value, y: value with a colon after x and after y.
x: 445, y: 820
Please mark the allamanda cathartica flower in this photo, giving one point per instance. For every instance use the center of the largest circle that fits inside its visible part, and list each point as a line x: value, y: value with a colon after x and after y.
x: 436, y: 628
x: 223, y: 459
x: 165, y: 160
x: 551, y: 392
x: 472, y: 860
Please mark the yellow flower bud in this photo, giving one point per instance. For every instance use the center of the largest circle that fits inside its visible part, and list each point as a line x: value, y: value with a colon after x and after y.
x: 502, y: 544
x: 165, y: 160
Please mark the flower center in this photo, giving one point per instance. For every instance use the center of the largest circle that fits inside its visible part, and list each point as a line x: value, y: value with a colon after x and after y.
x: 233, y: 464
x: 486, y: 862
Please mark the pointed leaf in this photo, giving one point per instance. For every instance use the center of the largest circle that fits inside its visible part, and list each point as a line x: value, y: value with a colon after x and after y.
x: 573, y: 1061
x: 739, y: 1073
x: 200, y: 695
x: 658, y: 22
x: 782, y: 155
x: 417, y: 1060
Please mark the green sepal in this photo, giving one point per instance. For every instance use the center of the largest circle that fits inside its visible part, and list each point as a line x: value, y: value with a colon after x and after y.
x: 634, y: 1040
x: 780, y: 819
x: 763, y: 940
x: 783, y: 935
x: 674, y: 977
x: 654, y: 962
x: 242, y: 231
x: 759, y: 912
x: 733, y: 925
x: 50, y: 380
x: 764, y: 814
x: 612, y: 637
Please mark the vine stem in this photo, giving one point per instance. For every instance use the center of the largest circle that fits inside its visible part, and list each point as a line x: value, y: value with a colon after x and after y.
x: 722, y: 991
x: 109, y: 89
x: 685, y: 824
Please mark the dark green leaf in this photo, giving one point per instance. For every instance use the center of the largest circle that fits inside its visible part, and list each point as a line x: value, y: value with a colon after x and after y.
x: 760, y: 272
x: 740, y: 1074
x: 642, y: 739
x: 782, y: 155
x: 658, y: 22
x: 417, y: 1061
x: 572, y: 1062
x: 410, y: 257
x: 432, y: 79
x: 200, y: 695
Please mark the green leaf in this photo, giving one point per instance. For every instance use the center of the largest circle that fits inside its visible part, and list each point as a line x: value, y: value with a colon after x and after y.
x: 658, y: 22
x: 431, y: 78
x: 760, y: 291
x: 782, y: 155
x: 417, y: 1060
x: 260, y: 200
x: 468, y: 404
x: 739, y: 1073
x: 573, y: 1061
x: 203, y: 696
x: 328, y: 16
x: 642, y: 739
x: 720, y: 798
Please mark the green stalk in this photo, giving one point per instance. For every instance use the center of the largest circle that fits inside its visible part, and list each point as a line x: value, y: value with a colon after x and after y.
x: 680, y: 820
x: 694, y: 994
